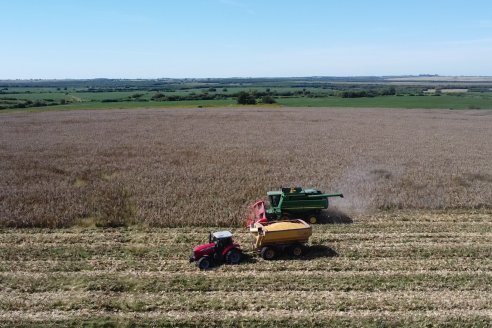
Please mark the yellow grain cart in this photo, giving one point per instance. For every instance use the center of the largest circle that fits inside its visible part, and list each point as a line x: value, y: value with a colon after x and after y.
x: 275, y: 237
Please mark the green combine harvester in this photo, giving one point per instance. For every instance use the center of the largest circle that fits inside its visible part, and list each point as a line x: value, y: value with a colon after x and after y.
x: 291, y: 203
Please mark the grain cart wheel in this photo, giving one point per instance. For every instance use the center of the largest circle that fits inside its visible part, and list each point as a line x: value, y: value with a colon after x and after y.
x: 203, y: 263
x: 233, y: 256
x: 268, y: 253
x: 297, y: 250
x: 313, y: 219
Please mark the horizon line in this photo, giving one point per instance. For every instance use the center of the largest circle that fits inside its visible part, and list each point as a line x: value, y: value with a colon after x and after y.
x: 249, y: 77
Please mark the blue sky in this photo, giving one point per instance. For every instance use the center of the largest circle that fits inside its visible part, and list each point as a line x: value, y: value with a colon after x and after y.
x: 250, y: 38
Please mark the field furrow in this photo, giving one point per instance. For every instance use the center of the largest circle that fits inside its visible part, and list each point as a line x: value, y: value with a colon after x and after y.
x: 391, y: 301
x: 268, y: 317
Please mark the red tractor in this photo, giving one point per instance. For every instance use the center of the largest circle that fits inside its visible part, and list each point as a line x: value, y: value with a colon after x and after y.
x: 220, y: 248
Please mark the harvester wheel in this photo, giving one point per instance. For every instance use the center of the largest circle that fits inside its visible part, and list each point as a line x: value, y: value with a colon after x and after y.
x: 268, y: 253
x: 203, y: 263
x: 233, y: 257
x: 297, y: 250
x: 313, y: 219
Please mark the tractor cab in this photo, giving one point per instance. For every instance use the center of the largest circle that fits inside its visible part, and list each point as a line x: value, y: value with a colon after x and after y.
x: 220, y: 248
x: 221, y: 239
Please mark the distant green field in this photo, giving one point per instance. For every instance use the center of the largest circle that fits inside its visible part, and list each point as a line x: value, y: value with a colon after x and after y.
x: 138, y: 104
x: 426, y: 102
x: 444, y: 101
x: 98, y: 96
x: 36, y: 95
x: 114, y: 94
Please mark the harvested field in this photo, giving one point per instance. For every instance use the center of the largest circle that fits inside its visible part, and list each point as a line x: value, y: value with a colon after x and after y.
x: 419, y: 268
x: 201, y: 167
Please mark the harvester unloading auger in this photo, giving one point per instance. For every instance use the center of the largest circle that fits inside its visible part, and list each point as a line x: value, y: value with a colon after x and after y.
x: 290, y: 203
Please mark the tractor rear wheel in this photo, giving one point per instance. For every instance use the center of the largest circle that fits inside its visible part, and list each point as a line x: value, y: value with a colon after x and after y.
x: 203, y: 263
x: 268, y: 253
x: 233, y: 256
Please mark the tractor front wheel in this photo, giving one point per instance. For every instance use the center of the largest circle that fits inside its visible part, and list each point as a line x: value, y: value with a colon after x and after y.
x: 268, y: 253
x: 233, y: 257
x: 203, y: 263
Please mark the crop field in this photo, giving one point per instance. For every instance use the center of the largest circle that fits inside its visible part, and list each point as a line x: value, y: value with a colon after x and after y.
x: 417, y: 268
x: 189, y: 167
x: 100, y: 210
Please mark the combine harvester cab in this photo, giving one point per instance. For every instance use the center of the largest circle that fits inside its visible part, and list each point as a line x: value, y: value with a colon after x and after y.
x: 276, y: 237
x: 290, y: 203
